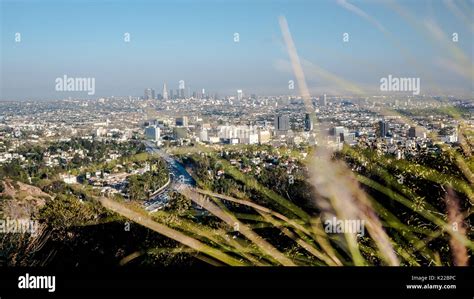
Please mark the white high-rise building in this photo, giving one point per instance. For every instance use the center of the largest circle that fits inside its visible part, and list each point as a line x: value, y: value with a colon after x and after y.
x: 245, y: 134
x: 149, y: 94
x: 153, y: 133
x: 165, y: 92
x: 181, y: 89
x: 239, y: 95
x: 203, y: 136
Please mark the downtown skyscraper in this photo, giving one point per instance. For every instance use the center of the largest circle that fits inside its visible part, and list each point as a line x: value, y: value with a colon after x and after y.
x: 181, y: 89
x: 165, y: 92
x: 282, y: 122
x: 149, y: 94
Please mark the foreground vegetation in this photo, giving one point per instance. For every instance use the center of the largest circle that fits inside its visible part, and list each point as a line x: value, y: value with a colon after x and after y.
x: 416, y: 211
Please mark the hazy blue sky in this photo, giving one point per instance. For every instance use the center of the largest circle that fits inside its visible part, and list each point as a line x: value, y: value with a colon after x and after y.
x: 193, y: 41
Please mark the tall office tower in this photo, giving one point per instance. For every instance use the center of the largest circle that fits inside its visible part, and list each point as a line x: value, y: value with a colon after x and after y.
x: 324, y: 100
x: 152, y: 132
x: 382, y: 129
x: 336, y: 131
x: 203, y: 93
x: 282, y: 122
x: 149, y: 94
x: 177, y: 94
x: 308, y: 122
x: 239, y: 95
x: 165, y: 92
x: 182, y: 121
x: 181, y: 89
x: 171, y: 94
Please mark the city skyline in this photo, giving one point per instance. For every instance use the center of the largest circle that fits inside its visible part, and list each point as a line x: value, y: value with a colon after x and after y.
x: 138, y: 137
x: 229, y: 47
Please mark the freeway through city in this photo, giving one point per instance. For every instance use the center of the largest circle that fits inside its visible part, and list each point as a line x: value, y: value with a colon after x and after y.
x: 178, y: 176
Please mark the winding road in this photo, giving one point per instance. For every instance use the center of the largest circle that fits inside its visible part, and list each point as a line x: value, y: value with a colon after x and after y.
x: 178, y: 177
